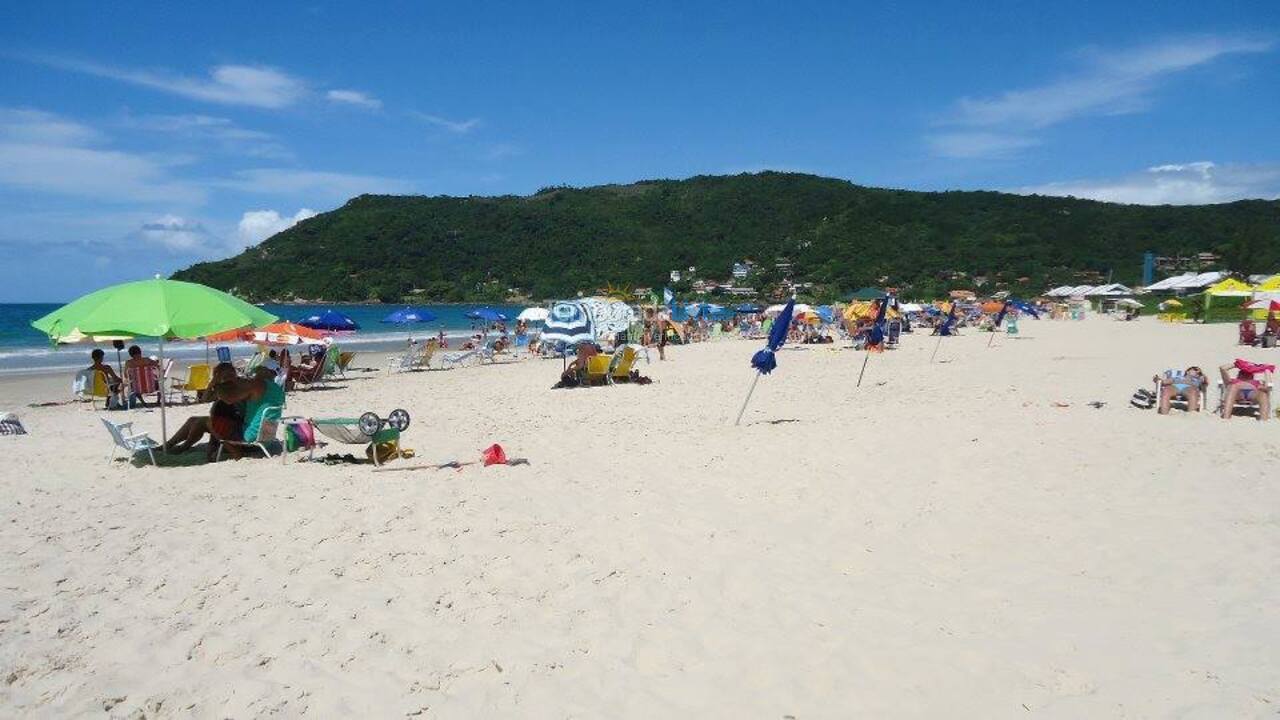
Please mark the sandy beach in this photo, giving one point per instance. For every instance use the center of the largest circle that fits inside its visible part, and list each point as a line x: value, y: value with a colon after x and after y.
x: 968, y: 538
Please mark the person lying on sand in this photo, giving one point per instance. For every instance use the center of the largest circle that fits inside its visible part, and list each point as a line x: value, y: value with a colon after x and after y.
x: 1187, y: 385
x: 1250, y: 383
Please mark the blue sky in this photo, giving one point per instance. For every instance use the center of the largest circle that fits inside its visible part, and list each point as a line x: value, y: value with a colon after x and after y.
x: 136, y: 139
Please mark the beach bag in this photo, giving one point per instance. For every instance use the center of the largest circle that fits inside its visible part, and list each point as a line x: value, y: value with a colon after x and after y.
x: 10, y: 425
x: 1143, y: 399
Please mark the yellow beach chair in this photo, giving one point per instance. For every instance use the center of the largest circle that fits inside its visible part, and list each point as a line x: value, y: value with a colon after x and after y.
x: 198, y: 377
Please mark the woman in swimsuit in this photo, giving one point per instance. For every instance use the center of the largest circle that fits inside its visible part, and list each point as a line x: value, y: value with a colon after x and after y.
x: 1187, y: 385
x: 1248, y: 385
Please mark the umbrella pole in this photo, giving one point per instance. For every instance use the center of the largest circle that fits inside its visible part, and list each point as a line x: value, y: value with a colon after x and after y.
x: 865, y: 358
x: 744, y: 402
x: 935, y: 348
x: 164, y: 429
x: 993, y: 337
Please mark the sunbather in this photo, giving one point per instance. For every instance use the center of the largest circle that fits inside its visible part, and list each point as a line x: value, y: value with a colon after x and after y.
x: 1248, y: 333
x: 576, y: 372
x: 114, y: 383
x: 216, y: 424
x: 1250, y: 383
x: 1187, y: 385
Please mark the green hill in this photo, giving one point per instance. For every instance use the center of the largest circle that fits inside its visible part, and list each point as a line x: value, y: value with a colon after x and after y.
x: 834, y: 234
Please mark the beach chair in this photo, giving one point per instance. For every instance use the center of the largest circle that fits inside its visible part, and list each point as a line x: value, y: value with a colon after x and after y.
x: 245, y: 367
x: 344, y: 362
x: 91, y: 385
x: 196, y: 381
x: 1180, y: 402
x: 623, y: 362
x: 140, y: 382
x: 461, y: 358
x: 597, y: 370
x: 893, y: 333
x: 124, y: 437
x: 268, y: 427
x: 1249, y: 404
x: 324, y: 363
x: 224, y: 353
x: 417, y: 357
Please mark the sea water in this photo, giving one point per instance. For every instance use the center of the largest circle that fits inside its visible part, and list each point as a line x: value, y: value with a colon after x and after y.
x: 23, y: 349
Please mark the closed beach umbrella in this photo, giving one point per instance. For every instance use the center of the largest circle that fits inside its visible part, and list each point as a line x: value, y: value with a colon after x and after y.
x: 404, y: 316
x: 163, y: 309
x: 330, y: 320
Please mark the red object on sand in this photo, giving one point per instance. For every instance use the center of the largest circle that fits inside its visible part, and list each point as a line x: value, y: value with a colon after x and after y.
x: 493, y: 455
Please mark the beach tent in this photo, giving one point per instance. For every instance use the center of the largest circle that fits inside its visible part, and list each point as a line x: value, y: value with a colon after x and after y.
x: 1271, y: 284
x: 533, y: 314
x: 1230, y: 287
x: 162, y: 309
x: 569, y: 323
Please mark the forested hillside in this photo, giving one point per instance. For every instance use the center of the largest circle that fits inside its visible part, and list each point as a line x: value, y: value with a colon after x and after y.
x: 834, y: 234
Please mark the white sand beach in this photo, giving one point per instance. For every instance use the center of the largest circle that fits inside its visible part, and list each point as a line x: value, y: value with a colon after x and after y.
x: 968, y: 538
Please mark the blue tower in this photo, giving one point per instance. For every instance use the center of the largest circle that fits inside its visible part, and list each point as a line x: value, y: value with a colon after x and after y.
x: 1148, y: 268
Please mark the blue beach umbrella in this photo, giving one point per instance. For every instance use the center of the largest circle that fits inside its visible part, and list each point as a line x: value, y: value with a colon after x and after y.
x: 763, y: 360
x: 331, y: 320
x: 487, y: 314
x: 405, y: 316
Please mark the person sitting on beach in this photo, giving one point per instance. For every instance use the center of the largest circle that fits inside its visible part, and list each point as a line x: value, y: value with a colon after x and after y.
x: 1252, y: 383
x: 575, y: 373
x: 1188, y: 385
x: 1248, y: 332
x: 223, y: 421
x: 114, y: 383
x: 253, y: 394
x: 137, y: 362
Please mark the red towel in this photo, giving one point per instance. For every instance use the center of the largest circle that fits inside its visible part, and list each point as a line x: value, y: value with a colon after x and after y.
x: 1254, y: 368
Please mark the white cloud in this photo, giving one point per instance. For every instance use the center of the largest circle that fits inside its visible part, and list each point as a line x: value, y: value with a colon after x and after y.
x: 176, y: 234
x: 22, y: 125
x: 257, y: 86
x: 965, y: 145
x: 1115, y: 83
x: 219, y: 132
x: 314, y: 183
x: 258, y: 225
x: 1195, y: 183
x: 460, y: 127
x: 42, y: 152
x: 1111, y: 83
x: 354, y: 97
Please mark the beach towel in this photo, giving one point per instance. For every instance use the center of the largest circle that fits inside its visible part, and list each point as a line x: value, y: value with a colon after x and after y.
x: 1254, y: 368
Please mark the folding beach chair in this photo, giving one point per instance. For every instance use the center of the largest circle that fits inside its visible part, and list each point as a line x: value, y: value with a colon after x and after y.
x: 123, y: 436
x: 91, y: 385
x: 271, y: 417
x: 140, y: 382
x: 197, y: 381
x: 224, y: 353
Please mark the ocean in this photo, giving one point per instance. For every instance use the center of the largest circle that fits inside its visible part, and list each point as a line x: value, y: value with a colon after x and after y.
x: 23, y: 349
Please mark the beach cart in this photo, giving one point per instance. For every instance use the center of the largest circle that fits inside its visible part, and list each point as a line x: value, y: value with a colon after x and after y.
x: 381, y: 436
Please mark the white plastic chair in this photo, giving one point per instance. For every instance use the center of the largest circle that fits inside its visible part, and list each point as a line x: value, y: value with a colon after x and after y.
x: 126, y: 438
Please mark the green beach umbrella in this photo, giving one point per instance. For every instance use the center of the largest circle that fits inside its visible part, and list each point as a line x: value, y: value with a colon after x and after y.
x: 164, y: 309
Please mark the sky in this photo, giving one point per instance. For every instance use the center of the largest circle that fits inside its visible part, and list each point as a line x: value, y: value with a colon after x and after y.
x: 138, y: 138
